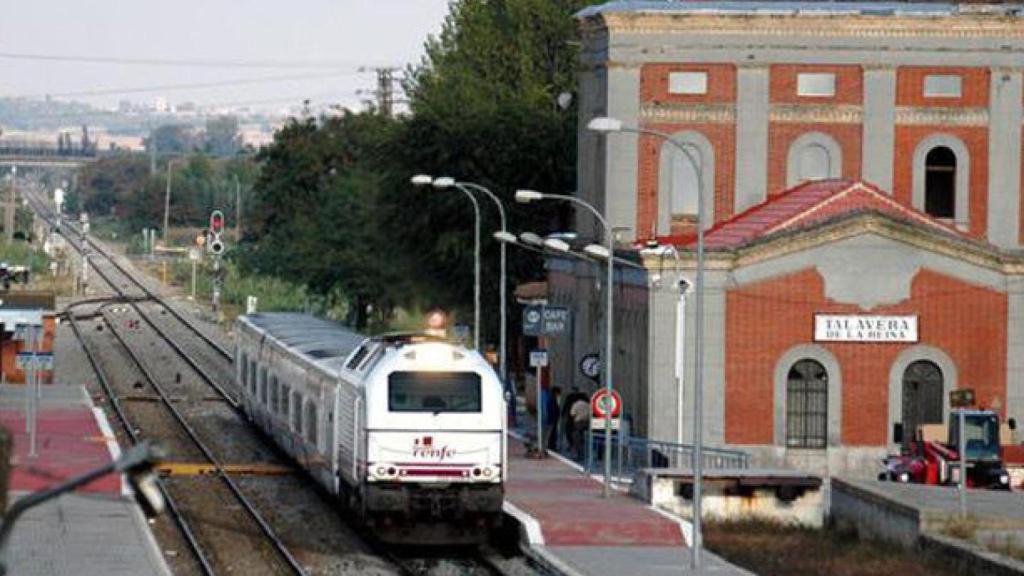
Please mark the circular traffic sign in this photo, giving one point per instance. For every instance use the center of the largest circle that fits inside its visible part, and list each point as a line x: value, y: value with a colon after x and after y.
x: 603, y: 403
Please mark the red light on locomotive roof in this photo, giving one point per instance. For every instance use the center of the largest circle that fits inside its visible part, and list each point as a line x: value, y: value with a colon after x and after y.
x: 437, y: 320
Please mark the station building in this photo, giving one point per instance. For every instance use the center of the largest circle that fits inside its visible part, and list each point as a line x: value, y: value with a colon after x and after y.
x: 860, y: 164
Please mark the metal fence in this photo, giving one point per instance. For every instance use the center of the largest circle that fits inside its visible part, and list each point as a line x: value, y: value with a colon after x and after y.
x: 630, y: 453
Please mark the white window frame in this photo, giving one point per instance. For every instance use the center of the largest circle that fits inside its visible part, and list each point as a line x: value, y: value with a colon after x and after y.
x: 807, y: 84
x: 935, y: 86
x: 688, y: 83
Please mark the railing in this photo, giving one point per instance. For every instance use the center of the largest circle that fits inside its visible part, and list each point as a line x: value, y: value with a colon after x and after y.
x: 630, y: 454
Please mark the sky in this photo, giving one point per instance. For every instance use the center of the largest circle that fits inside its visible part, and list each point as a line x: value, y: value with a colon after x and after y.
x: 329, y: 39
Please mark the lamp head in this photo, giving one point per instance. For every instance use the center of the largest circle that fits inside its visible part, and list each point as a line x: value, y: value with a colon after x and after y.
x: 531, y: 239
x: 421, y: 180
x: 444, y: 182
x: 597, y: 251
x: 527, y: 196
x: 506, y: 237
x: 556, y: 245
x: 604, y: 124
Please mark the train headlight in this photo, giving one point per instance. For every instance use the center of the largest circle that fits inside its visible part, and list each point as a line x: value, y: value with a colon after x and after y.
x: 1004, y: 478
x: 487, y: 472
x: 380, y: 471
x: 904, y: 477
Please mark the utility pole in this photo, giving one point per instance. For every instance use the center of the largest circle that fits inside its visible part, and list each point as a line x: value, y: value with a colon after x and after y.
x: 238, y: 210
x: 385, y: 91
x: 11, y: 203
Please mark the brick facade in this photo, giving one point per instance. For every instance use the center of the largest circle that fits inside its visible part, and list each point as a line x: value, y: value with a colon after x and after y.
x: 766, y: 319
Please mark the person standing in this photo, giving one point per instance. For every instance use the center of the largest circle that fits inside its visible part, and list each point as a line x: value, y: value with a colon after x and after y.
x: 551, y: 418
x: 580, y: 415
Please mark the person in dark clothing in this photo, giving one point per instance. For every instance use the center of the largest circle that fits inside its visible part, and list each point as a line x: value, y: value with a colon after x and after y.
x: 551, y: 410
x: 567, y: 421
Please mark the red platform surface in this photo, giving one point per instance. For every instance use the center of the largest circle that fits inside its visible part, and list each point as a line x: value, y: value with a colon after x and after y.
x: 69, y: 442
x: 571, y: 511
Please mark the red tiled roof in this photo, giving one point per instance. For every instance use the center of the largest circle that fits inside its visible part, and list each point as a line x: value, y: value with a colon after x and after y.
x: 806, y: 204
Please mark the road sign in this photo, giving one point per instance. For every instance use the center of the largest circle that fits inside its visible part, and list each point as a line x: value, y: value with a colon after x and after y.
x: 538, y: 358
x: 531, y: 320
x: 200, y: 240
x: 603, y: 403
x: 541, y: 320
x: 43, y: 361
x: 590, y: 366
x: 555, y: 320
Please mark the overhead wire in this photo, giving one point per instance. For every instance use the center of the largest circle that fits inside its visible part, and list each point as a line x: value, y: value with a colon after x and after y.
x: 189, y: 62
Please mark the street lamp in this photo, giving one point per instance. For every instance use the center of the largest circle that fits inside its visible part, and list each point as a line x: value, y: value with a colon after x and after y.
x: 425, y: 180
x: 167, y: 196
x: 606, y: 125
x: 502, y: 296
x: 525, y: 196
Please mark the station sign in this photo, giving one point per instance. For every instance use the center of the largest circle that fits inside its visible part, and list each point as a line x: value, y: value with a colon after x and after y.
x: 538, y: 358
x: 864, y: 328
x: 43, y: 361
x: 540, y: 320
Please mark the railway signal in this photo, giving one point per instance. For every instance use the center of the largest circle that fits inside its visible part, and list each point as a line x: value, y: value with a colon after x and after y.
x: 216, y: 228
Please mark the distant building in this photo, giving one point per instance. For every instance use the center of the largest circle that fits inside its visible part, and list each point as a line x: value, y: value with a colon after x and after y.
x: 861, y: 168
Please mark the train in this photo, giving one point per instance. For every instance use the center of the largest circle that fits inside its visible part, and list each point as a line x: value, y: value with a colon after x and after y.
x: 407, y: 430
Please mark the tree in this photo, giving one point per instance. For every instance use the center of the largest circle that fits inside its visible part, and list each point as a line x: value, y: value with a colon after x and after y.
x: 222, y: 137
x: 484, y: 106
x: 171, y: 139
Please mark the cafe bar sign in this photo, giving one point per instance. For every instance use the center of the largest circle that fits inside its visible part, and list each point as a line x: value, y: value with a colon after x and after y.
x: 854, y: 328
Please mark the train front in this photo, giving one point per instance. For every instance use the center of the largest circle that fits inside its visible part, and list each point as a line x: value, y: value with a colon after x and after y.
x: 435, y: 446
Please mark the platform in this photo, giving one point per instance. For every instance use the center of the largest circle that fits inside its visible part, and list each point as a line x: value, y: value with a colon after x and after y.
x: 573, y: 529
x: 97, y: 530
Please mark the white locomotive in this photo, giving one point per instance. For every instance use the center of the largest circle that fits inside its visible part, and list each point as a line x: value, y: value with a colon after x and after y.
x: 406, y: 429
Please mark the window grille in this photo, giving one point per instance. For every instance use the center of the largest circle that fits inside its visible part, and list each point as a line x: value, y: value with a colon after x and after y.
x: 807, y: 405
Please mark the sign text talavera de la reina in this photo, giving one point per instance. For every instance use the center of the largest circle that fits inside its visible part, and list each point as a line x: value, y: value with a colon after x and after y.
x: 854, y: 328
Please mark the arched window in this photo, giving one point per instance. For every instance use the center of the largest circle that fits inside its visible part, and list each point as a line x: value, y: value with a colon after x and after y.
x: 681, y: 176
x: 311, y: 423
x: 940, y: 182
x: 922, y: 397
x: 807, y: 405
x: 813, y: 156
x: 683, y: 199
x: 815, y: 163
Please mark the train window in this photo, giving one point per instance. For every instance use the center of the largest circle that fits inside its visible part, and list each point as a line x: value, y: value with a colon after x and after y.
x: 434, y: 392
x: 286, y: 392
x: 273, y: 394
x: 263, y: 385
x: 297, y: 412
x: 252, y: 378
x: 311, y: 423
x: 243, y: 371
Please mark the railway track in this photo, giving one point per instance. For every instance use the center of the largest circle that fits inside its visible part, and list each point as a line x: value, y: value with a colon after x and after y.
x: 160, y: 401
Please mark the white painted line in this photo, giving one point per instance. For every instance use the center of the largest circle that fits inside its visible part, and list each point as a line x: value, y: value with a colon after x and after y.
x: 685, y: 526
x: 111, y: 442
x: 534, y: 535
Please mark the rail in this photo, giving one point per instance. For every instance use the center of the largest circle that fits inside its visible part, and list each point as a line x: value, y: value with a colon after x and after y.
x: 632, y: 453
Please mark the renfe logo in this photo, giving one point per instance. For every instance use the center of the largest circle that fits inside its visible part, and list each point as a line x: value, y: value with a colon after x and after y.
x: 424, y: 448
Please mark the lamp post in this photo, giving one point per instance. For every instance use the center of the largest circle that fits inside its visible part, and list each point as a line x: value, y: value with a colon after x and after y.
x: 447, y: 182
x: 167, y: 197
x: 607, y: 125
x: 424, y: 180
x: 525, y: 196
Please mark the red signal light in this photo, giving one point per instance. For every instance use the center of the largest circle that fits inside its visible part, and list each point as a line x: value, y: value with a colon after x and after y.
x: 216, y: 222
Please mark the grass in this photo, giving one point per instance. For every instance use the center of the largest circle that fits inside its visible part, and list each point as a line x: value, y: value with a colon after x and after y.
x: 775, y: 549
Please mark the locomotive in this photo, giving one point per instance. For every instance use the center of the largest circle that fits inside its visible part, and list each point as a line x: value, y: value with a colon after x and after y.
x: 407, y: 430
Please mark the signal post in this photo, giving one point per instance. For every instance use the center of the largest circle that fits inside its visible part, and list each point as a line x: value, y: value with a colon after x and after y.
x: 216, y: 248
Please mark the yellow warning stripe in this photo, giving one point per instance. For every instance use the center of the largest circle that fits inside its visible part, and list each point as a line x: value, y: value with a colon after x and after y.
x: 195, y: 469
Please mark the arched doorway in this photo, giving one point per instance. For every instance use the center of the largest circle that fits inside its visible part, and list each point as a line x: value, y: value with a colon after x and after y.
x: 940, y: 182
x: 922, y: 397
x: 807, y: 405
